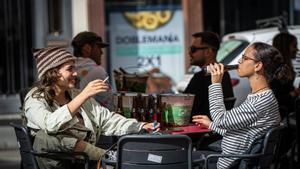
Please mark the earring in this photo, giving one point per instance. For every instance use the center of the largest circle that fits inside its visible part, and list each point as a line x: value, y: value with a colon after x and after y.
x: 256, y: 75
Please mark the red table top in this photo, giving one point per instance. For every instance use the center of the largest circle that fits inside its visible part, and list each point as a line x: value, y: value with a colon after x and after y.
x: 188, y: 129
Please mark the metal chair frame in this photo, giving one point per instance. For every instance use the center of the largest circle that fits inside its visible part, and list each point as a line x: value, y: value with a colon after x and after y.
x: 153, y: 151
x: 269, y: 152
x: 28, y: 154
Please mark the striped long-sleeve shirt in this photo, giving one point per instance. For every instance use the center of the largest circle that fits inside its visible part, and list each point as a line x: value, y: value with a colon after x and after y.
x: 241, y: 125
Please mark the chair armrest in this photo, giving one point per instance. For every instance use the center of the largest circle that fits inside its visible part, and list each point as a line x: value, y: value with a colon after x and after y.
x: 109, y: 162
x: 240, y: 156
x: 61, y: 154
x: 198, y: 162
x: 198, y: 159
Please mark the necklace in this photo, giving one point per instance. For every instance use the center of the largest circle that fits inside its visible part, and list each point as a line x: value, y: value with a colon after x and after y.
x: 265, y: 87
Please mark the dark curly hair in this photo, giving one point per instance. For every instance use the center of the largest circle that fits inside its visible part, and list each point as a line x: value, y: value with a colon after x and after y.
x: 273, y: 62
x: 282, y: 42
x: 45, y: 86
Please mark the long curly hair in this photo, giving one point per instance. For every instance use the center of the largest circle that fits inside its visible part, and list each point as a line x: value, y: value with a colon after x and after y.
x: 45, y: 87
x: 282, y: 42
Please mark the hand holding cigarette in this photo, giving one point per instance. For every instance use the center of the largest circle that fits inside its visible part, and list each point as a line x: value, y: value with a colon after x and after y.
x: 96, y: 86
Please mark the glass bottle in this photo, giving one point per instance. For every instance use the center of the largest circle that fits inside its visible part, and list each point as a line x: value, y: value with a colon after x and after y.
x: 142, y: 109
x: 138, y: 106
x: 134, y: 111
x: 120, y: 105
x: 226, y: 68
x: 150, y: 106
x: 158, y: 110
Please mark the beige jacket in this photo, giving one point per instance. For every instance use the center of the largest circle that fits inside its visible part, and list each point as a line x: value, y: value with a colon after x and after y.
x: 97, y: 118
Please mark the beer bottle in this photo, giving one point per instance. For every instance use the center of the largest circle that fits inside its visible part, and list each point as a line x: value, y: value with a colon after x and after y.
x: 134, y: 112
x: 226, y: 68
x: 149, y: 115
x: 158, y: 110
x: 142, y: 109
x: 138, y: 106
x: 154, y: 114
x: 120, y: 105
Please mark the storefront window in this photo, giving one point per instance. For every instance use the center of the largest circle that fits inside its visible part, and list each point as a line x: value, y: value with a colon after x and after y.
x: 146, y: 35
x: 55, y: 16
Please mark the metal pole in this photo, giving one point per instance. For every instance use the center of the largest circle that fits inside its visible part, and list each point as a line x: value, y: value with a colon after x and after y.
x: 291, y: 12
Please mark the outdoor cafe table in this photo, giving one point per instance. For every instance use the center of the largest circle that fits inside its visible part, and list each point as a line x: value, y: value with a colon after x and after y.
x: 193, y: 131
x: 189, y: 129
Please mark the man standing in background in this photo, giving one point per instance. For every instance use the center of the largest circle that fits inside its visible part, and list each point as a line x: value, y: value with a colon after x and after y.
x: 87, y: 47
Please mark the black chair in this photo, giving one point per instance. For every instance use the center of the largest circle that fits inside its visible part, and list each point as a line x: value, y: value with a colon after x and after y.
x: 154, y: 151
x: 28, y: 154
x: 229, y: 102
x: 263, y: 159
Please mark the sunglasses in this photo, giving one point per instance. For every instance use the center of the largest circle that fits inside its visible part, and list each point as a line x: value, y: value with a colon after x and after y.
x: 194, y: 48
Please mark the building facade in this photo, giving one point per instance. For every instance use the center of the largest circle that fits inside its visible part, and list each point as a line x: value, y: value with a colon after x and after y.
x: 40, y: 23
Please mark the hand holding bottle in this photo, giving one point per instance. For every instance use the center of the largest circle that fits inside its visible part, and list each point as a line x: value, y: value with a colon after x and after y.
x: 226, y: 68
x: 217, y: 72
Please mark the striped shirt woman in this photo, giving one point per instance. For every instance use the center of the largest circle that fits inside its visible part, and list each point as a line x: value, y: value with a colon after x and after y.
x: 261, y: 63
x: 241, y: 125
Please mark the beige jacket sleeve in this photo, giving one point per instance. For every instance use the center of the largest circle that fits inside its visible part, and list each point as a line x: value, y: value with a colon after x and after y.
x: 110, y: 123
x: 40, y: 116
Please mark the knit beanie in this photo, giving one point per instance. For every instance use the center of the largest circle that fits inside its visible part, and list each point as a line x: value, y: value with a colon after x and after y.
x: 48, y: 58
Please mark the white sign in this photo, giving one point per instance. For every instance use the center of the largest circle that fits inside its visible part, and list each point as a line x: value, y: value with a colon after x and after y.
x: 146, y: 39
x: 154, y: 158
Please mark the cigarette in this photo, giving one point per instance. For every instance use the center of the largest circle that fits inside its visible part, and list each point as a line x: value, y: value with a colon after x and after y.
x: 106, y: 79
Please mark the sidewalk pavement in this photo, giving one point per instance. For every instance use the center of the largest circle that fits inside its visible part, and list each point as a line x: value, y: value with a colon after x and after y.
x: 10, y: 159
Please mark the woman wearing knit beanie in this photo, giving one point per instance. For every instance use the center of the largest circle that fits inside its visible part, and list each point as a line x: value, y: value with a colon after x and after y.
x: 65, y: 119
